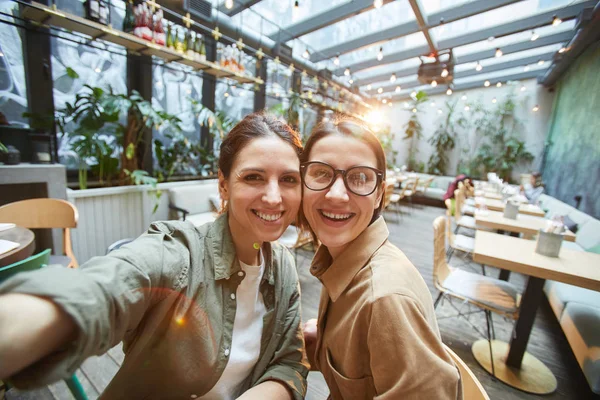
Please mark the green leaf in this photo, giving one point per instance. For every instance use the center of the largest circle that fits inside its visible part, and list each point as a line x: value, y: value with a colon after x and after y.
x: 71, y: 73
x: 130, y: 151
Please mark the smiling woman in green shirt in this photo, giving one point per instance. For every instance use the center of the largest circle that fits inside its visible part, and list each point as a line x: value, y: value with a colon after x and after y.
x: 208, y: 312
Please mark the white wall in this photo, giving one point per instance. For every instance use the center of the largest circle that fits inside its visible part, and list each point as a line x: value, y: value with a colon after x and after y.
x: 534, y: 130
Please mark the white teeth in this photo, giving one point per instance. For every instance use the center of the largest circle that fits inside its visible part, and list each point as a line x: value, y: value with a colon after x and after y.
x: 268, y: 217
x: 336, y: 216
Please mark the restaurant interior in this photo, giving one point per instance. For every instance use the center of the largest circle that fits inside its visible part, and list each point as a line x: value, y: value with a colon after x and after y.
x: 112, y: 113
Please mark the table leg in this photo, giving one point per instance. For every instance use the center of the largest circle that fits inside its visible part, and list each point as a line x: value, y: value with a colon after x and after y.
x: 504, y: 275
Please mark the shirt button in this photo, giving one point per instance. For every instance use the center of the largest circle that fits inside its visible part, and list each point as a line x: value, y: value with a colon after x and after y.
x: 240, y: 273
x: 232, y: 296
x: 226, y: 352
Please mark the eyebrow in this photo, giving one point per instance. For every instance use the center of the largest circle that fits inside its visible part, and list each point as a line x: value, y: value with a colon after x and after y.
x: 289, y: 171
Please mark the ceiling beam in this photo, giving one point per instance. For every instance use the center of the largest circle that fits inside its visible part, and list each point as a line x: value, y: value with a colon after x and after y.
x: 421, y: 18
x: 324, y: 19
x: 238, y: 7
x: 472, y: 72
x: 448, y: 15
x: 472, y: 85
x: 510, y: 28
x: 387, y: 59
x: 384, y: 77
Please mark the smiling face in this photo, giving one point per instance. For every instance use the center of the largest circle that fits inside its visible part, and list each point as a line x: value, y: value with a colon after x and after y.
x: 336, y: 215
x: 263, y: 190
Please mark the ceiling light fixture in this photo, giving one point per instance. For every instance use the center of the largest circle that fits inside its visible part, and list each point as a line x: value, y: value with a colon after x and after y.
x: 336, y: 60
x: 393, y: 78
x: 523, y: 88
x: 380, y: 90
x: 347, y: 72
x: 433, y: 83
x: 534, y: 36
x: 499, y: 84
x: 377, y: 3
x: 369, y: 86
x: 541, y: 62
x: 494, y: 100
x: 486, y: 83
x: 498, y: 52
x: 380, y: 54
x: 229, y: 4
x: 398, y: 89
x: 535, y: 108
x: 556, y: 21
x: 449, y: 91
x: 306, y: 54
x: 444, y: 73
x: 478, y: 66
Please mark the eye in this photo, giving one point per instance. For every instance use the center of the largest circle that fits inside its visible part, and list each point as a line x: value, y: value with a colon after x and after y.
x: 290, y: 179
x: 253, y: 178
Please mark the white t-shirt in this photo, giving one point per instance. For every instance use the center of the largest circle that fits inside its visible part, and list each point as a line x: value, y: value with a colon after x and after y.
x: 247, y: 333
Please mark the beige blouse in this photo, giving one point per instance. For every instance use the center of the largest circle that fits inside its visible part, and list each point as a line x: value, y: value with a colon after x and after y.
x: 377, y: 332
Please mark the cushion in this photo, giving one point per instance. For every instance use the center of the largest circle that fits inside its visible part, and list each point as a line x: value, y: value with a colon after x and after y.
x: 202, y: 218
x: 579, y: 217
x: 595, y: 249
x: 580, y: 324
x: 588, y: 234
x: 194, y: 198
x: 435, y: 193
x: 560, y: 294
x: 557, y: 207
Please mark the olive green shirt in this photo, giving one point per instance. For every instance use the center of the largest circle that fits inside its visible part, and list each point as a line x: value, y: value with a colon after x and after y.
x: 170, y: 297
x: 377, y: 335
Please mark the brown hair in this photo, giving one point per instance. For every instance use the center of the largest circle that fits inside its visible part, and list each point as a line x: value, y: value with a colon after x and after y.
x: 344, y: 126
x: 253, y: 126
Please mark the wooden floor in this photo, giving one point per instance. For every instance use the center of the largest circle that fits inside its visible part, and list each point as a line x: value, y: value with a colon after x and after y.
x: 413, y: 234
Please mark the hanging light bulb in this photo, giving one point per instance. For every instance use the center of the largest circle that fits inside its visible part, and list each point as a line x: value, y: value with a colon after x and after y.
x: 444, y: 73
x: 523, y: 88
x: 336, y: 60
x: 535, y: 108
x: 377, y: 3
x: 406, y: 105
x: 449, y: 91
x: 534, y: 36
x: 390, y: 104
x: 432, y: 104
x: 498, y: 52
x: 499, y: 84
x: 494, y: 100
x: 380, y: 90
x: 464, y: 97
x: 433, y: 83
x: 467, y: 108
x: 398, y: 89
x: 413, y: 94
x: 556, y: 21
x: 439, y: 110
x: 486, y: 83
x: 97, y: 70
x: 526, y: 68
x: 380, y: 54
x: 478, y: 66
x: 369, y: 86
x: 296, y: 5
x: 393, y: 78
x: 541, y: 62
x: 306, y: 54
x: 351, y: 81
x: 229, y: 4
x: 347, y: 72
x: 384, y: 101
x: 414, y: 110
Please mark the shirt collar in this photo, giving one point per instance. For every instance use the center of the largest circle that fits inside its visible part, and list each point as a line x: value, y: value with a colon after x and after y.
x: 337, y: 275
x: 224, y: 255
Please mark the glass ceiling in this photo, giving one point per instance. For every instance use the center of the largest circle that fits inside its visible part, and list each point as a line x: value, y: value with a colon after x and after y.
x: 431, y: 6
x: 389, y: 47
x: 388, y: 68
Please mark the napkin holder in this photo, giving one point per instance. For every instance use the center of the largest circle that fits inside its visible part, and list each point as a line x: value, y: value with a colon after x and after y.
x: 549, y: 244
x: 511, y: 210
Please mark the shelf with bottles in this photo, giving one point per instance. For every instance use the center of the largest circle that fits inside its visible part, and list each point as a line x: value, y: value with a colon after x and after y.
x: 146, y: 42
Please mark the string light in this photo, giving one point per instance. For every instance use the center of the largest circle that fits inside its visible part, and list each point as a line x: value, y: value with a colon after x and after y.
x: 541, y: 62
x: 398, y: 89
x: 380, y: 54
x: 347, y: 72
x: 535, y: 108
x: 464, y: 97
x: 369, y: 86
x: 433, y: 83
x: 380, y: 90
x: 413, y: 94
x: 486, y: 83
x: 414, y: 110
x: 467, y: 108
x: 556, y: 21
x: 494, y: 100
x: 390, y: 104
x: 491, y: 39
x: 97, y: 70
x: 384, y: 101
x: 498, y: 52
x: 432, y: 104
x: 523, y: 88
x: 444, y: 73
x: 296, y: 5
x: 393, y: 78
x: 336, y: 60
x: 499, y: 84
x: 439, y: 110
x: 449, y: 91
x: 534, y: 36
x: 478, y: 66
x: 377, y: 3
x: 306, y: 54
x: 351, y: 81
x: 229, y: 4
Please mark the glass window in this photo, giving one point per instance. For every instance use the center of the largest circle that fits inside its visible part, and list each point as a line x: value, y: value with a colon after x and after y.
x: 389, y: 47
x: 432, y: 6
x: 387, y: 68
x: 509, y: 57
x: 13, y: 90
x: 389, y: 15
x: 279, y: 79
x: 521, y: 9
x: 286, y: 14
x: 234, y: 100
x: 501, y: 76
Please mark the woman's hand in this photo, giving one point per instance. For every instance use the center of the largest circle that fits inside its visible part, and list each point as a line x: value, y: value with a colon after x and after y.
x: 310, y: 339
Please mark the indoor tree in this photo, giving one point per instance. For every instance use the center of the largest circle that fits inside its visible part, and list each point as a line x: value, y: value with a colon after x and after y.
x: 413, y: 130
x: 443, y: 140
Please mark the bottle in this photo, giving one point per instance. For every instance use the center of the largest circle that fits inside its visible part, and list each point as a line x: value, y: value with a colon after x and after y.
x: 159, y: 32
x: 92, y: 10
x: 129, y: 21
x: 198, y: 43
x: 104, y: 18
x: 186, y: 41
x: 178, y: 44
x: 170, y: 41
x: 190, y: 44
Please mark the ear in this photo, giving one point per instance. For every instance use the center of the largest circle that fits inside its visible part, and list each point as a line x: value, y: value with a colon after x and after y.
x: 223, y: 189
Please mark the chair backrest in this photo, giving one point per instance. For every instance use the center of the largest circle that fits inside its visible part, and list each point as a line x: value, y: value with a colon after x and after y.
x: 389, y: 191
x: 40, y: 213
x: 472, y: 389
x: 32, y: 263
x: 410, y: 184
x: 427, y: 183
x: 441, y: 270
x: 458, y: 203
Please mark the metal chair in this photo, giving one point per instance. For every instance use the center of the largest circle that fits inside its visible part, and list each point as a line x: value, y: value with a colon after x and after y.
x: 484, y: 292
x: 472, y: 389
x: 43, y: 214
x: 32, y: 263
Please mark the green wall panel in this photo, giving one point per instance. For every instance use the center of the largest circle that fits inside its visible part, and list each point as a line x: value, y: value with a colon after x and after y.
x: 573, y: 156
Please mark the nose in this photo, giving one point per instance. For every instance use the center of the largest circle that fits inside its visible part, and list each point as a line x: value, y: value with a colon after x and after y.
x: 337, y: 191
x: 272, y: 194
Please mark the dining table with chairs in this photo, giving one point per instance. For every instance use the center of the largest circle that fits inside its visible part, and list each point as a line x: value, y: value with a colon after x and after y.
x: 16, y: 243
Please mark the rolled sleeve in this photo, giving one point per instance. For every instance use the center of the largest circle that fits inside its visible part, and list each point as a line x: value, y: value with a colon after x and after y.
x: 106, y: 297
x: 289, y: 365
x: 407, y: 357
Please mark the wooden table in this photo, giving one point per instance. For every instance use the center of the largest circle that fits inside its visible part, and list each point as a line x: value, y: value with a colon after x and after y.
x: 526, y: 224
x: 512, y: 364
x: 498, y: 205
x: 26, y: 240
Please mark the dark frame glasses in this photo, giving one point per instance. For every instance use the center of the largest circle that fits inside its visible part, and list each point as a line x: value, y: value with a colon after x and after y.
x: 305, y: 166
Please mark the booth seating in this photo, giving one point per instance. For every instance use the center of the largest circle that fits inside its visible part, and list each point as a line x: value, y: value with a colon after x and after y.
x: 578, y: 309
x: 197, y: 203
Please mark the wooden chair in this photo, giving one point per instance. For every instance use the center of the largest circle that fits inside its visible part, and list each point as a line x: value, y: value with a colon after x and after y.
x: 44, y: 214
x: 422, y: 188
x: 32, y: 263
x: 408, y: 190
x: 391, y: 199
x: 464, y: 221
x: 472, y: 389
x: 484, y: 292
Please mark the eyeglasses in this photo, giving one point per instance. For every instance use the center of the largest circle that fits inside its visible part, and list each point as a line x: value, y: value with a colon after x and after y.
x: 359, y: 180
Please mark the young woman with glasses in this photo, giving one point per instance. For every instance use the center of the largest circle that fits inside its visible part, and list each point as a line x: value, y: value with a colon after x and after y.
x: 376, y: 335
